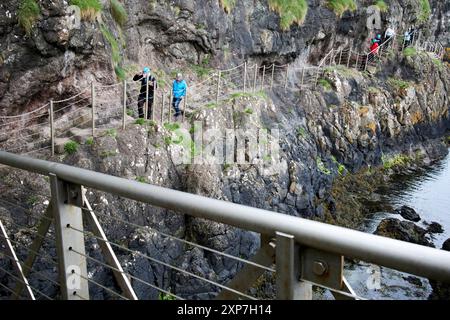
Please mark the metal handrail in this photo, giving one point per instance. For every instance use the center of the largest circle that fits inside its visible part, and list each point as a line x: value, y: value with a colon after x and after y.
x: 407, y: 257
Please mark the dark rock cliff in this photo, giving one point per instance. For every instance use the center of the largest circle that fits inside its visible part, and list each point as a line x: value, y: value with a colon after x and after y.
x: 353, y: 124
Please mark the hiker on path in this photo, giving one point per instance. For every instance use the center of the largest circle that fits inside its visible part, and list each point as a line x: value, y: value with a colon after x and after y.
x: 145, y: 76
x: 378, y: 39
x: 374, y: 47
x: 179, y: 92
x: 407, y: 38
x: 389, y: 35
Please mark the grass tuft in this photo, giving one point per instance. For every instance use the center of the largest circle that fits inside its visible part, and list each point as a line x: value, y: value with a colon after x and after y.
x: 28, y: 13
x: 89, y: 8
x: 290, y: 11
x: 424, y: 11
x: 70, y: 147
x: 227, y: 5
x: 118, y: 12
x: 382, y: 6
x: 340, y: 6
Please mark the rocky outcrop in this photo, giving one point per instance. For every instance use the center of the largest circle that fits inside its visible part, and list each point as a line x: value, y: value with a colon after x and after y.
x: 435, y: 227
x: 361, y: 121
x: 56, y: 59
x: 403, y: 230
x: 408, y: 213
x: 441, y: 291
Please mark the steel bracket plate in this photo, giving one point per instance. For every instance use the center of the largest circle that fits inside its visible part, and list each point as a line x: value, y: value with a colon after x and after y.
x: 73, y: 195
x: 321, y: 267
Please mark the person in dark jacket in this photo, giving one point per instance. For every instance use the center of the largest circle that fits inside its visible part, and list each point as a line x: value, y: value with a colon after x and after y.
x: 145, y: 76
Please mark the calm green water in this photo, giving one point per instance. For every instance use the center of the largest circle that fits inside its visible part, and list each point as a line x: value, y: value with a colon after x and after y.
x: 427, y: 190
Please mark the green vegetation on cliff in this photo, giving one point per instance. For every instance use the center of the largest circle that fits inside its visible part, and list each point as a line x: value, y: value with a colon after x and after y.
x: 340, y: 6
x: 28, y: 13
x: 118, y: 12
x: 290, y: 11
x: 70, y: 147
x: 227, y: 5
x: 424, y: 11
x: 382, y: 6
x: 89, y: 8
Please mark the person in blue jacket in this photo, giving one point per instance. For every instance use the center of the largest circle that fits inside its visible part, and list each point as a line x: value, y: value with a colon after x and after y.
x: 179, y: 92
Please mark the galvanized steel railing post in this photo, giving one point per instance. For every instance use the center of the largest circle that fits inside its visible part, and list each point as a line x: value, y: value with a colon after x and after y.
x: 303, y: 76
x: 219, y: 75
x: 170, y: 105
x: 245, y: 76
x: 163, y: 102
x: 349, y: 57
x: 340, y: 57
x: 124, y: 104
x: 146, y: 98
x: 271, y: 80
x: 184, y: 105
x: 52, y: 127
x: 286, y: 78
x: 66, y: 202
x: 255, y: 77
x: 357, y: 61
x: 367, y: 62
x: 289, y: 286
x: 263, y: 77
x: 93, y: 107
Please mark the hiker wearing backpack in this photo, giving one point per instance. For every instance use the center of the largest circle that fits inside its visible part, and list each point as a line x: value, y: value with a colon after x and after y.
x: 179, y: 92
x: 145, y: 76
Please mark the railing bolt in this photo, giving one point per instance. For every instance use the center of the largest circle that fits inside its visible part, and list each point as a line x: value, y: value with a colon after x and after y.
x: 320, y: 268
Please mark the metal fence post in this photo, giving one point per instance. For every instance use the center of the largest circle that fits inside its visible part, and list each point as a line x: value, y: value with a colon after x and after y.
x: 256, y: 77
x: 146, y: 99
x: 93, y: 107
x: 349, y: 57
x: 170, y: 104
x: 367, y: 62
x: 303, y: 76
x: 263, y: 77
x: 218, y: 87
x: 124, y: 103
x: 286, y: 78
x: 340, y: 57
x: 289, y: 286
x: 163, y: 102
x: 184, y: 105
x: 155, y: 88
x: 66, y: 200
x: 271, y: 80
x: 245, y: 76
x: 357, y: 61
x: 52, y: 128
x: 318, y: 70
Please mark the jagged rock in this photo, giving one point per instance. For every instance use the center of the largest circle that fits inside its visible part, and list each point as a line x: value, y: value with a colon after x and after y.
x: 403, y: 230
x: 441, y: 291
x: 446, y: 245
x: 435, y: 227
x: 408, y: 213
x: 414, y: 280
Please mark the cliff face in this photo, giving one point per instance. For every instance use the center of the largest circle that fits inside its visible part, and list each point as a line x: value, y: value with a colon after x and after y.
x: 55, y: 59
x: 351, y: 122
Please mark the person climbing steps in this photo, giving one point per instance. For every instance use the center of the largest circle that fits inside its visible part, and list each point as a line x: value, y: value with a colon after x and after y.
x: 179, y: 92
x: 145, y: 76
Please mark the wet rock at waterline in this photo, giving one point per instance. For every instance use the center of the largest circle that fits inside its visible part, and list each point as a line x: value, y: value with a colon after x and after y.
x: 441, y: 291
x: 434, y: 227
x: 408, y: 213
x: 403, y: 230
x: 413, y: 280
